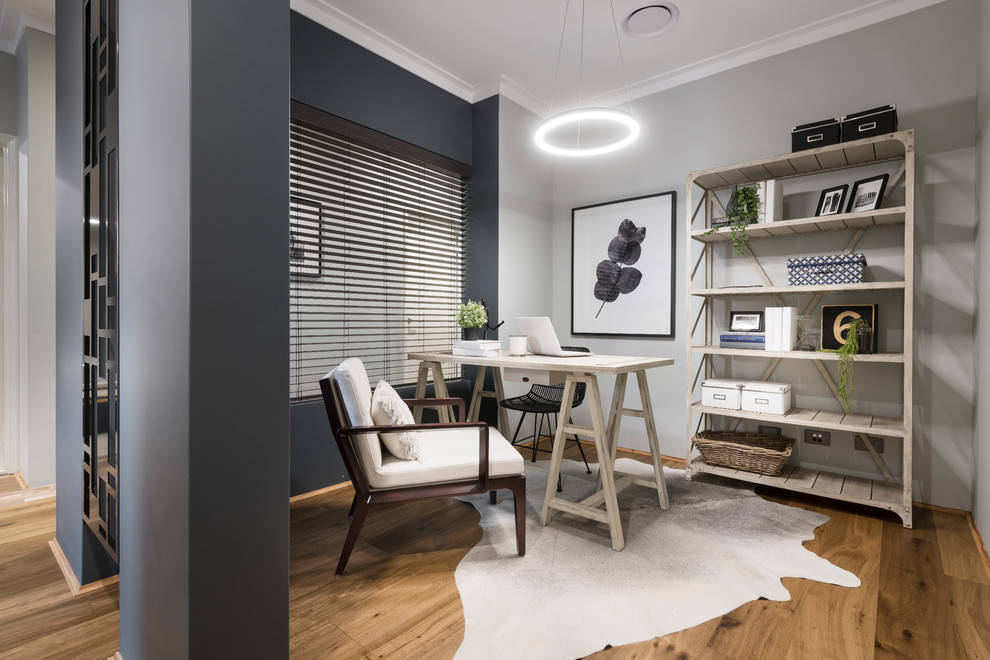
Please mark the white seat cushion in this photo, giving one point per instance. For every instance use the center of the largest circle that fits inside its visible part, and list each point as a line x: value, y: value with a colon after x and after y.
x: 448, y: 456
x: 388, y: 409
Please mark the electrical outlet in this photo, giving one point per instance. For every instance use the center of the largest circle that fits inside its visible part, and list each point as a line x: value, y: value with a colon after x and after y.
x: 813, y: 437
x: 877, y: 443
x: 769, y: 430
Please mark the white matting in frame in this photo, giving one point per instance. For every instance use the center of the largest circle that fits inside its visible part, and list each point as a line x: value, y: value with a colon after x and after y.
x: 622, y: 267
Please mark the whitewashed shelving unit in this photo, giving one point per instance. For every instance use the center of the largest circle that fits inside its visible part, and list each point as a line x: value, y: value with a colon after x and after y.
x: 884, y: 492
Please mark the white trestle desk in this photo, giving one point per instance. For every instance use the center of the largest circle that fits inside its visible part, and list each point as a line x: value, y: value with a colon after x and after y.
x: 570, y: 371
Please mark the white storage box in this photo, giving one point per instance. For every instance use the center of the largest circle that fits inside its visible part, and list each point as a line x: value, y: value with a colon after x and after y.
x: 722, y: 393
x: 766, y: 397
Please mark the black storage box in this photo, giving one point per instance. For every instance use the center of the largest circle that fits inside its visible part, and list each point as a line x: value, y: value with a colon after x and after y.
x: 816, y: 134
x: 878, y: 121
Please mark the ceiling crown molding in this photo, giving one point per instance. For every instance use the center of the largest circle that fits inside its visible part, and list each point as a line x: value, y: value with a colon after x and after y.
x: 24, y: 21
x: 333, y: 19
x: 854, y: 19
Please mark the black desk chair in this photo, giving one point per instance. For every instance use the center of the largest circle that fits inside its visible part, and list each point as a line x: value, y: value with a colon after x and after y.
x: 543, y: 401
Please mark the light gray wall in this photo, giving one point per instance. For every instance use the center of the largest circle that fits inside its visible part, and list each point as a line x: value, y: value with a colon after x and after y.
x: 36, y: 133
x: 204, y: 402
x: 981, y: 499
x: 525, y: 210
x: 8, y: 94
x: 747, y: 113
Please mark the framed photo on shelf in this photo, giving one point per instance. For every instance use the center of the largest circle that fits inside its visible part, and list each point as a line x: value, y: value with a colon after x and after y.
x: 832, y: 200
x: 622, y: 267
x: 867, y: 193
x: 745, y: 321
x: 836, y: 320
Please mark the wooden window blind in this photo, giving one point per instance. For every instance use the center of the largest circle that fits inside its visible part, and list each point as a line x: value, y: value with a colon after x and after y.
x: 376, y: 254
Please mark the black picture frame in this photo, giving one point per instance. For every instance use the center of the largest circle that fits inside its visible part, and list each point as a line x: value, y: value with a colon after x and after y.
x: 867, y: 194
x: 305, y: 238
x: 836, y: 319
x: 746, y: 321
x: 641, y: 304
x: 832, y: 200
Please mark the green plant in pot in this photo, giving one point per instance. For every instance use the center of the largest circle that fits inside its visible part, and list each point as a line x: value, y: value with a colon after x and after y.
x: 743, y: 209
x: 471, y: 316
x: 846, y: 361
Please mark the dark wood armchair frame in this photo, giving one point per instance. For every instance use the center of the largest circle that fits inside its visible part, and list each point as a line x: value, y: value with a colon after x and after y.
x: 365, y: 496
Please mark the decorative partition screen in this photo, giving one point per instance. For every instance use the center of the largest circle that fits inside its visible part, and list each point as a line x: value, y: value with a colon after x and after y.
x: 101, y: 415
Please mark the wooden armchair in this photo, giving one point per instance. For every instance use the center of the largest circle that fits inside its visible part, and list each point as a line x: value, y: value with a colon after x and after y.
x: 460, y: 458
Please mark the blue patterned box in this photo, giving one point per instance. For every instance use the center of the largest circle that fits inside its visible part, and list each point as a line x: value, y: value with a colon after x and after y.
x: 826, y: 269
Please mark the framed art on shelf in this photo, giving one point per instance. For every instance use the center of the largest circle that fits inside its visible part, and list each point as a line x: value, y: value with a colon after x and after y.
x: 836, y: 320
x: 622, y: 267
x: 831, y: 201
x: 745, y: 321
x: 867, y: 193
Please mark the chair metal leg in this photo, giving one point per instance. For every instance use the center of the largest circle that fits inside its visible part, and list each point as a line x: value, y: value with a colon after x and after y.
x: 581, y: 449
x: 492, y: 494
x: 518, y: 426
x: 360, y: 513
x: 536, y: 436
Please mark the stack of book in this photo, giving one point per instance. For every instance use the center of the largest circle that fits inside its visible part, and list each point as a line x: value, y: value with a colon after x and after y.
x: 477, y: 348
x: 749, y: 340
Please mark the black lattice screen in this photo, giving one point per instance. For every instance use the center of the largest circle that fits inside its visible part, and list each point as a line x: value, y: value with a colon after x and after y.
x: 101, y: 415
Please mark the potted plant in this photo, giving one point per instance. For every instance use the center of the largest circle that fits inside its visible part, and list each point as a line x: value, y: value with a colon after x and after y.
x: 743, y: 209
x: 471, y: 316
x: 858, y: 328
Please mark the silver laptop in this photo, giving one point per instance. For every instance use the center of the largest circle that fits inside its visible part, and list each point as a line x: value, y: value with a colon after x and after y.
x: 542, y: 338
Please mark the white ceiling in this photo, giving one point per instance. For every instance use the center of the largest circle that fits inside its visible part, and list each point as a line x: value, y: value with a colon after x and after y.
x: 15, y: 15
x: 476, y: 48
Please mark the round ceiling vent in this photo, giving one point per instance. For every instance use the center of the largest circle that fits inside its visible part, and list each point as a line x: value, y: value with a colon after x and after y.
x: 650, y: 20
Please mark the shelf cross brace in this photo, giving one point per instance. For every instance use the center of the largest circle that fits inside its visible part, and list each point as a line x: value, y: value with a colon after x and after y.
x: 877, y: 458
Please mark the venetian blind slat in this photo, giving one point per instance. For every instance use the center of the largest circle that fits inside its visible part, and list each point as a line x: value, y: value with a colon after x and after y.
x: 376, y: 257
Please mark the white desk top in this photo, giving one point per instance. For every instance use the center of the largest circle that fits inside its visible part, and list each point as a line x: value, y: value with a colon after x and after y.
x: 587, y: 364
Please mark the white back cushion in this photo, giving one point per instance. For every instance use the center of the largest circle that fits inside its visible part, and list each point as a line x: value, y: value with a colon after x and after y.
x: 355, y: 393
x: 388, y: 409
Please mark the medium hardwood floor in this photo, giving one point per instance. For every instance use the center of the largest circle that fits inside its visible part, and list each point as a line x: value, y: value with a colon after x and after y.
x: 925, y: 592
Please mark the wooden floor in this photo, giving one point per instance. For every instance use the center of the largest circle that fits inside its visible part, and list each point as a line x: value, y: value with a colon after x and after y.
x: 925, y: 591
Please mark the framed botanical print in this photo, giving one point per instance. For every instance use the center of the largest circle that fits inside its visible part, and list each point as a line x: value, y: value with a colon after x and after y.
x: 622, y: 267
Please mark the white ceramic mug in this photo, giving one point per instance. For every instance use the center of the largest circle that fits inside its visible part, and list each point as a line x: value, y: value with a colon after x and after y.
x: 517, y: 344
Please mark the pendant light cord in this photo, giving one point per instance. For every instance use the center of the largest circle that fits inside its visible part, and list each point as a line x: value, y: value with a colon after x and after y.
x: 622, y: 61
x: 560, y: 49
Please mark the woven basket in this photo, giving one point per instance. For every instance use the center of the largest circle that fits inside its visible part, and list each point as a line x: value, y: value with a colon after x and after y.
x: 752, y: 452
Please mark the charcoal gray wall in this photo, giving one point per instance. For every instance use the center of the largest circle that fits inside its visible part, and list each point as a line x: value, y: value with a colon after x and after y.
x: 338, y: 76
x: 203, y: 332
x: 88, y: 559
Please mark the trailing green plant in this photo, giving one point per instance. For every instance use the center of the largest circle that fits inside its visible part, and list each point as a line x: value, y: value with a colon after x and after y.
x: 743, y: 209
x: 847, y: 362
x: 472, y: 315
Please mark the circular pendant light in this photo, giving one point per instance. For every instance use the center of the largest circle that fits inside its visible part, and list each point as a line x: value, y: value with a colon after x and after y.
x: 588, y: 120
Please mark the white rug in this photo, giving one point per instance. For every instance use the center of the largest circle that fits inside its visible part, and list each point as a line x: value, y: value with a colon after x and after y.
x: 716, y: 548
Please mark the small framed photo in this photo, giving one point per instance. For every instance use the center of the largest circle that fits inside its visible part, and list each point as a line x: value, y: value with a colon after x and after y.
x: 745, y: 321
x: 867, y: 193
x: 832, y: 200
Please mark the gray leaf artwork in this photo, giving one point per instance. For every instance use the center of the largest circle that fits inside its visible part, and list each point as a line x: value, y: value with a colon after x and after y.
x: 615, y: 274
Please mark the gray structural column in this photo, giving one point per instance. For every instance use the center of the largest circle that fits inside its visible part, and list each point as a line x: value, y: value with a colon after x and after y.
x: 204, y: 115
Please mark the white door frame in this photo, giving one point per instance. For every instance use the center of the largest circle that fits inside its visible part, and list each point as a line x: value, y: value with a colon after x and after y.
x: 9, y: 440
